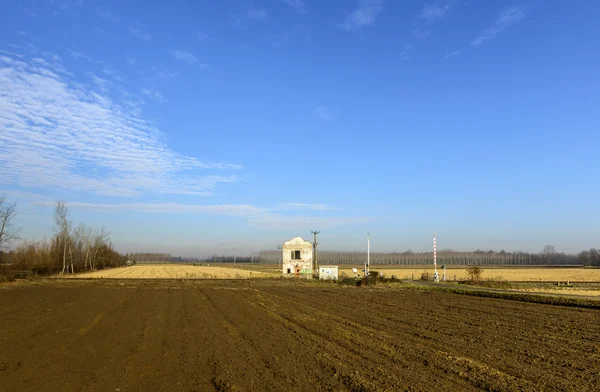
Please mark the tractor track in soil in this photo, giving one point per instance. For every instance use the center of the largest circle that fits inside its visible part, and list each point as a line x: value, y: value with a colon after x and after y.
x: 261, y: 335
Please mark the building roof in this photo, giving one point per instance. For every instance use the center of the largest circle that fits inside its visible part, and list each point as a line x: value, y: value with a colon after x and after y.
x: 297, y: 241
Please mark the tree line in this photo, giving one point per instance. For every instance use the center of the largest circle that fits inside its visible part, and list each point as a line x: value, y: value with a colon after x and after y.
x: 72, y: 248
x: 548, y: 256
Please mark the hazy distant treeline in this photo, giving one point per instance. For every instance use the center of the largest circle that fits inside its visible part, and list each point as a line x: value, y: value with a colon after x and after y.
x: 547, y: 257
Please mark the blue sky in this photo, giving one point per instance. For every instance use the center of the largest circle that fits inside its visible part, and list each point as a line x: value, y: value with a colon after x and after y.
x: 195, y: 127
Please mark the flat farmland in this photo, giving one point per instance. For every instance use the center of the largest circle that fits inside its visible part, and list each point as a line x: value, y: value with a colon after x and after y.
x: 253, y: 335
x: 173, y: 271
x: 541, y: 274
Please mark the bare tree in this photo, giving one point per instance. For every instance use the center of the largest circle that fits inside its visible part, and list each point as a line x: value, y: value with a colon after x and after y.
x: 63, y: 230
x: 8, y: 231
x: 549, y: 253
x: 101, y: 237
x: 86, y: 236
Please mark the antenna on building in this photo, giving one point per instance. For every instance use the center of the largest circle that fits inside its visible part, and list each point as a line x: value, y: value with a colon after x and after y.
x: 315, y: 244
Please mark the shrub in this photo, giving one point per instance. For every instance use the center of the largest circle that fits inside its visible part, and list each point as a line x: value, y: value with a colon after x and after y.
x: 474, y: 274
x: 348, y: 282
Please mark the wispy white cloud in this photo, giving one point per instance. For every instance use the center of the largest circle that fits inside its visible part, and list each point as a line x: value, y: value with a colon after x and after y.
x: 420, y: 34
x: 325, y: 113
x: 304, y: 223
x: 435, y: 11
x: 298, y: 5
x: 58, y: 133
x: 452, y: 54
x: 215, y: 209
x: 105, y: 13
x: 203, y: 36
x: 101, y: 83
x: 164, y: 74
x: 137, y: 29
x: 305, y: 206
x: 77, y: 55
x: 363, y: 15
x: 257, y: 13
x: 508, y: 17
x: 183, y: 55
x: 69, y: 6
x: 264, y: 218
x: 29, y: 12
x: 154, y: 95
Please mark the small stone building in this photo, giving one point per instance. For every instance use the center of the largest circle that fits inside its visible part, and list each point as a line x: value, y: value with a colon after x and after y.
x: 297, y: 258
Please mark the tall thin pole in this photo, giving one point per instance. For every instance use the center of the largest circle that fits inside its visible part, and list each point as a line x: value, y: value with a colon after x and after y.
x: 434, y: 253
x: 234, y: 255
x: 435, y: 273
x: 315, y: 249
x: 368, y: 254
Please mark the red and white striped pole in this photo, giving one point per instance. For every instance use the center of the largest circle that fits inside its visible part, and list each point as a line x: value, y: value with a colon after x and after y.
x: 435, y: 273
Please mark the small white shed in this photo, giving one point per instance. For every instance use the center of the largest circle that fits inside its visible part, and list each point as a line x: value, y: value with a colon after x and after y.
x: 328, y: 272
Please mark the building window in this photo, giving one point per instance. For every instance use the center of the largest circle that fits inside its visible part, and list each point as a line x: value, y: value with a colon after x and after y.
x: 289, y: 270
x: 296, y: 255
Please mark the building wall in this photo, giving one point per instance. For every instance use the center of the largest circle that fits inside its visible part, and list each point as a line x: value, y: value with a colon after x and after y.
x: 327, y: 272
x: 302, y: 266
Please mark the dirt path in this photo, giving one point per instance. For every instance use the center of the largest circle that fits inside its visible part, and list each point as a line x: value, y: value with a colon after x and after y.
x: 273, y: 335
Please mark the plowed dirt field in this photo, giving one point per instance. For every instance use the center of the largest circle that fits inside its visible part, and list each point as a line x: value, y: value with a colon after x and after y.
x: 286, y: 336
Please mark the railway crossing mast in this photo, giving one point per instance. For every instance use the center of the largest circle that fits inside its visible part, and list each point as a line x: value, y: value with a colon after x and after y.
x: 436, y: 276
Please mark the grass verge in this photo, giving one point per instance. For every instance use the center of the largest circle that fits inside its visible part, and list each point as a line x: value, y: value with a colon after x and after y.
x: 523, y: 297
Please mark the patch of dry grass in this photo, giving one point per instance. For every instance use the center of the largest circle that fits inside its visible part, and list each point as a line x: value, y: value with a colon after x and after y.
x: 171, y: 271
x: 502, y: 274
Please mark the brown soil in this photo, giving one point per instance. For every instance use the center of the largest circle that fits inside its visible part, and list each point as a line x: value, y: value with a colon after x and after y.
x: 286, y: 335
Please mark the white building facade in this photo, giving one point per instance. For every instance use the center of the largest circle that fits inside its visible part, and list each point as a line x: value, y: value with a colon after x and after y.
x: 297, y: 258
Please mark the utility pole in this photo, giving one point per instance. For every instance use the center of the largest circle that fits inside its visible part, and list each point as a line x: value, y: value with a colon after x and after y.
x: 234, y: 255
x: 315, y: 251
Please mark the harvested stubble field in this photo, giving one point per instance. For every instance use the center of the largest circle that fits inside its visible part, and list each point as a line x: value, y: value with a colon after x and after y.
x: 286, y: 335
x: 173, y: 271
x: 532, y: 274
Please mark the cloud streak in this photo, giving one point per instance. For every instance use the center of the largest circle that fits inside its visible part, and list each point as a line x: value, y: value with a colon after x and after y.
x: 452, y: 54
x: 58, y: 133
x: 79, y: 55
x: 105, y: 13
x: 183, y: 55
x: 137, y: 30
x: 508, y: 17
x: 298, y: 5
x: 305, y: 206
x: 257, y: 14
x: 327, y: 113
x: 363, y: 15
x: 435, y: 11
x: 263, y: 218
